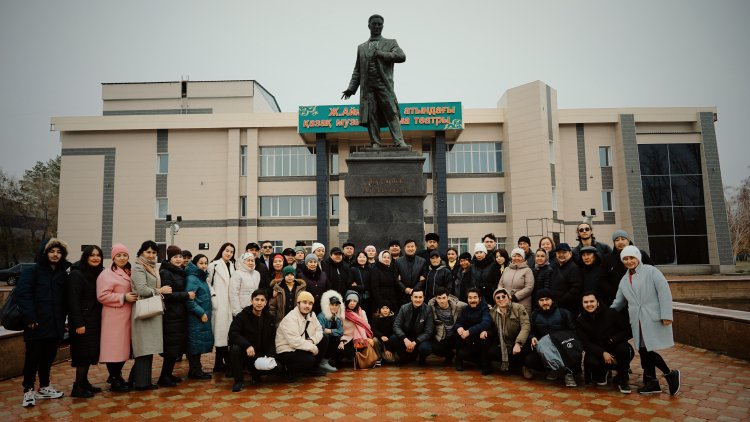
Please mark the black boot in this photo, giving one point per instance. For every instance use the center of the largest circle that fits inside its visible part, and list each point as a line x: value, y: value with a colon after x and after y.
x: 81, y: 391
x: 91, y: 388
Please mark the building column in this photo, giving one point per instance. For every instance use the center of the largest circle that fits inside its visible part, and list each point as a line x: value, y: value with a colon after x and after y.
x: 440, y: 190
x: 321, y: 188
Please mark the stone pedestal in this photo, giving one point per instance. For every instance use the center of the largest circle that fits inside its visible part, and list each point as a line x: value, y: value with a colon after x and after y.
x: 385, y: 190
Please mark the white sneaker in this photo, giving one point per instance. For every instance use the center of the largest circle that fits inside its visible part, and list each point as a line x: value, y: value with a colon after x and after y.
x: 49, y: 392
x: 29, y: 398
x: 324, y: 365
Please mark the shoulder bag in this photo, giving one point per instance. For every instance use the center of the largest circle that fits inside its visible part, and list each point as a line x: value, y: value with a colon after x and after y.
x: 11, y: 314
x: 149, y: 307
x: 365, y: 358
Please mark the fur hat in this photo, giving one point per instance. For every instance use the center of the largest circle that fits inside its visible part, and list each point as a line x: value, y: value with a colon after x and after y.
x: 432, y: 236
x: 57, y: 243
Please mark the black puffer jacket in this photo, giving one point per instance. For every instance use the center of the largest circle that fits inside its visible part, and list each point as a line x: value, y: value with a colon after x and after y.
x: 384, y: 285
x: 602, y: 330
x: 439, y: 276
x: 174, y: 321
x: 567, y: 284
x: 338, y: 275
x: 84, y: 310
x: 245, y: 332
x: 40, y: 295
x: 555, y: 319
x: 485, y: 275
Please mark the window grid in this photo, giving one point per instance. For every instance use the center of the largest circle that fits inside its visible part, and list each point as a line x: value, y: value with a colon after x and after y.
x: 475, y: 157
x: 243, y: 206
x: 605, y: 157
x: 460, y: 243
x: 162, y: 163
x: 286, y: 161
x: 288, y: 206
x: 475, y: 203
x: 608, y: 201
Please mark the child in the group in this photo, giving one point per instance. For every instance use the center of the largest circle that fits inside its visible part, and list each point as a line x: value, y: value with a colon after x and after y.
x: 382, y: 328
x: 331, y: 318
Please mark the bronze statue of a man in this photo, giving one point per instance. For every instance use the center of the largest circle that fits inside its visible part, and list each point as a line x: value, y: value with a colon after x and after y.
x: 373, y: 72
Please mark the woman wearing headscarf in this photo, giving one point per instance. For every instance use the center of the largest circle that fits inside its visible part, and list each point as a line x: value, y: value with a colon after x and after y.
x: 146, y: 334
x: 245, y: 281
x: 384, y: 280
x: 84, y: 318
x: 220, y: 272
x: 518, y: 279
x: 114, y: 291
x: 356, y: 326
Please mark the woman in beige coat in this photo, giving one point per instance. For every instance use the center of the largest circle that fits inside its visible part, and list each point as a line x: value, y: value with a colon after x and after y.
x: 146, y: 334
x: 518, y: 279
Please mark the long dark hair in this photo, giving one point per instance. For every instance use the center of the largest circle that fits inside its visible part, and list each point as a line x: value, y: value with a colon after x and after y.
x: 198, y: 258
x: 221, y: 250
x: 149, y: 244
x: 87, y: 251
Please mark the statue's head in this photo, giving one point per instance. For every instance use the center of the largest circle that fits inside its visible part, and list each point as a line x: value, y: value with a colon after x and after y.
x: 375, y: 23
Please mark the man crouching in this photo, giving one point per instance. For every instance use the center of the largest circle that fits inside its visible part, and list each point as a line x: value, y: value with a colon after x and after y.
x: 300, y: 344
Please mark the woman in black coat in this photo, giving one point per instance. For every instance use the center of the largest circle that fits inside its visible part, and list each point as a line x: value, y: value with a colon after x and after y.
x: 384, y: 280
x: 174, y: 321
x: 84, y: 318
x: 40, y: 295
x: 360, y: 281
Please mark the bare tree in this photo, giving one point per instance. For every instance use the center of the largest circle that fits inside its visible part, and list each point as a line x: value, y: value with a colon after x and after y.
x: 40, y: 187
x: 738, y: 211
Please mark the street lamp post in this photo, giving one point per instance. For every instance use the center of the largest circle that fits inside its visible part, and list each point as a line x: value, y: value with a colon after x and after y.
x: 174, y: 227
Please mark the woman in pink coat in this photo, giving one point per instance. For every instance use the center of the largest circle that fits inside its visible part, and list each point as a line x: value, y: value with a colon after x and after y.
x: 114, y: 292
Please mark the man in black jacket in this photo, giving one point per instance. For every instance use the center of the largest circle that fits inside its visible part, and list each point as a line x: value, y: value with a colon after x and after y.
x: 567, y: 280
x: 473, y: 328
x: 337, y: 272
x: 413, y: 330
x: 251, y: 336
x: 604, y: 333
x: 411, y: 270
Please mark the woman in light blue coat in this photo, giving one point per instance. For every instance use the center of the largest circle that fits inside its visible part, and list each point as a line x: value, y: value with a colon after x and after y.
x: 646, y: 293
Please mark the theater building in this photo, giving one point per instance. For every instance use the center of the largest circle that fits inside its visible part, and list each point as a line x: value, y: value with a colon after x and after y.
x: 221, y: 155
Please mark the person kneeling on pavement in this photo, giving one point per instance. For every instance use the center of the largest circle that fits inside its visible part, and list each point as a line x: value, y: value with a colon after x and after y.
x: 547, y: 321
x: 510, y: 328
x: 604, y: 333
x: 445, y: 311
x: 251, y: 340
x: 331, y: 318
x: 300, y: 344
x: 413, y: 330
x: 473, y: 328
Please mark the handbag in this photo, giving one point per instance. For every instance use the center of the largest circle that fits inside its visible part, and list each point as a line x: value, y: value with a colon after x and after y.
x: 10, y: 316
x: 365, y: 358
x: 148, y: 307
x: 360, y: 343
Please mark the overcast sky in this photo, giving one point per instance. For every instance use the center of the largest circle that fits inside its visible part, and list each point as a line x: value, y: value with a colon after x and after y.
x: 55, y: 54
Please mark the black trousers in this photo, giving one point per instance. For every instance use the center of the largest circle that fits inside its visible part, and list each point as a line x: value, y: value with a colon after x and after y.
x: 473, y: 349
x: 649, y: 362
x: 445, y: 347
x: 38, y: 359
x: 514, y: 361
x: 140, y: 373
x: 423, y: 349
x: 594, y: 365
x: 300, y: 361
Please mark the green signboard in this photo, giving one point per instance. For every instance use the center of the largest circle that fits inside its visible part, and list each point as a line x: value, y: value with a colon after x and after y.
x: 414, y: 116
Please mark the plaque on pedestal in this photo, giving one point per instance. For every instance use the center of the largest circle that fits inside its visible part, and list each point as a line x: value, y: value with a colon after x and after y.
x: 385, y: 190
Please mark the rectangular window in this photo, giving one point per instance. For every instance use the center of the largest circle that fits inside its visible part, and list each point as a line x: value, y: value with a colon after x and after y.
x: 427, y: 154
x: 162, y: 208
x: 429, y: 205
x: 460, y: 243
x: 335, y: 205
x: 243, y: 160
x: 333, y: 161
x: 475, y: 203
x: 554, y: 198
x: 162, y: 163
x: 278, y: 246
x: 551, y: 152
x: 286, y: 161
x: 475, y: 157
x: 608, y: 201
x: 288, y: 206
x: 605, y: 157
x: 243, y: 206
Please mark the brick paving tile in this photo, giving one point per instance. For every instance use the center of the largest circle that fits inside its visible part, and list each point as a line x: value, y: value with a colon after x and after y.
x: 714, y: 387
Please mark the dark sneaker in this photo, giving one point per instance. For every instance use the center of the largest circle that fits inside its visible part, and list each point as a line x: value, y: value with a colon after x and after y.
x: 237, y: 387
x: 624, y: 388
x: 603, y: 380
x: 80, y: 391
x: 459, y: 364
x: 651, y: 387
x: 673, y: 379
x: 570, y: 380
x: 91, y: 388
x: 166, y: 382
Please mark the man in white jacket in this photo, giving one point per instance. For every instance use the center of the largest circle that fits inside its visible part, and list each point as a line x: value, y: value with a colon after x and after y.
x: 300, y: 344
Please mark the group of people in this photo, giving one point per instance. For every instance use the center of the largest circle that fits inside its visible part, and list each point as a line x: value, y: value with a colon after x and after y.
x: 561, y: 310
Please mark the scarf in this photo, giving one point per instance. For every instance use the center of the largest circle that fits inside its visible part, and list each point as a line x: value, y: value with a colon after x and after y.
x: 150, y: 267
x: 359, y: 323
x: 546, y: 260
x: 505, y: 365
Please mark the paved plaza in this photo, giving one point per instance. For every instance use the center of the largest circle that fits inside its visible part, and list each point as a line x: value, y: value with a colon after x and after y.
x: 714, y: 387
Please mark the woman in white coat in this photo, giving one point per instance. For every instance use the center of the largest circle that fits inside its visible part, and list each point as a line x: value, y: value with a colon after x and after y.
x: 243, y: 283
x: 646, y: 293
x: 219, y: 275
